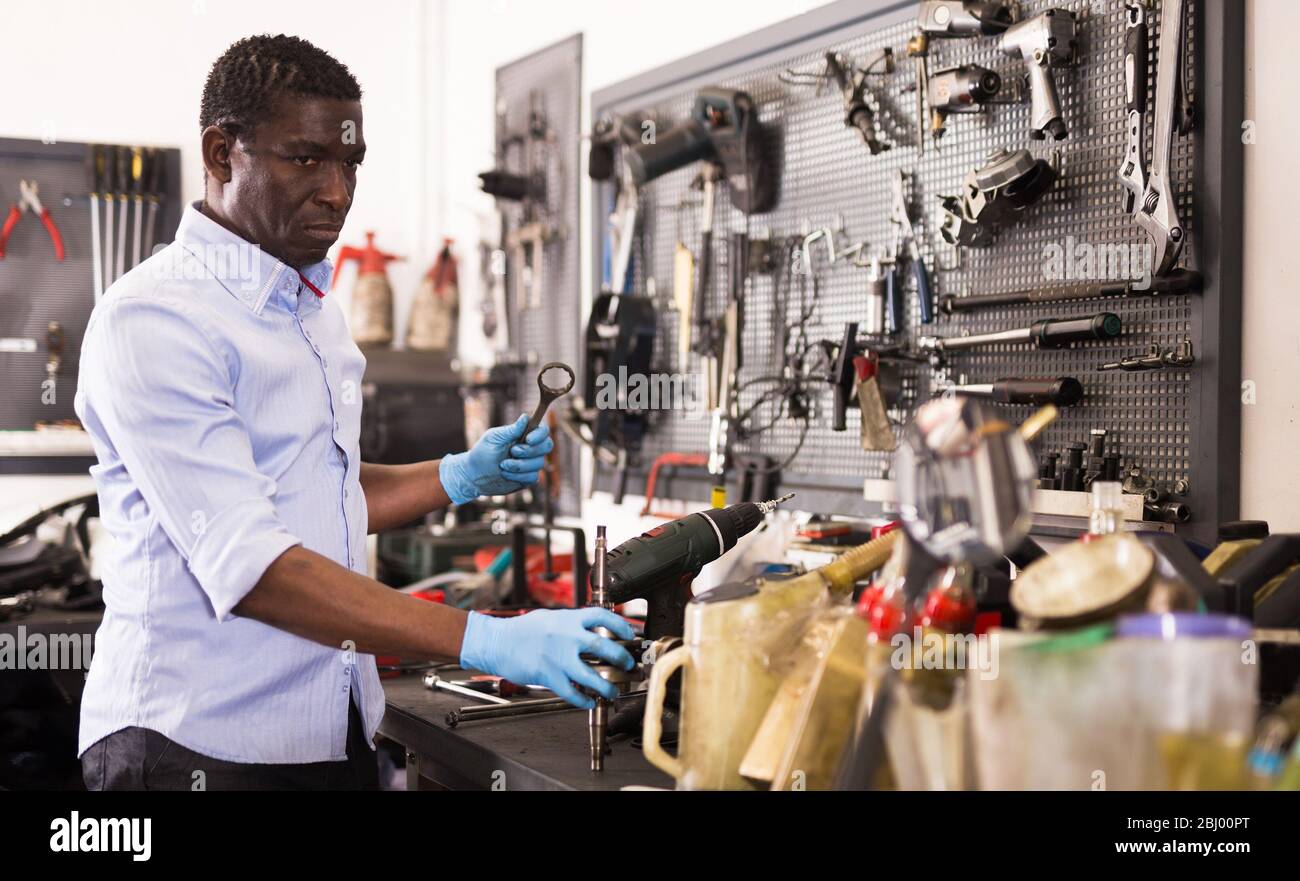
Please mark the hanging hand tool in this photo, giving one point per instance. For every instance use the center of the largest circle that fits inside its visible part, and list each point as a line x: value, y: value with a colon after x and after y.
x: 1180, y: 281
x: 724, y: 129
x: 95, y: 180
x: 137, y: 196
x: 878, y: 308
x: 947, y: 19
x: 1064, y: 391
x: 1133, y: 170
x: 905, y: 233
x: 123, y: 198
x: 527, y: 245
x: 54, y: 344
x: 29, y: 200
x: 1050, y: 333
x: 964, y: 89
x: 852, y: 84
x: 705, y: 339
x: 548, y: 393
x: 1155, y: 209
x: 841, y: 374
x: 1047, y: 40
x: 994, y: 196
x: 723, y: 419
x: 1155, y: 359
x: 153, y: 189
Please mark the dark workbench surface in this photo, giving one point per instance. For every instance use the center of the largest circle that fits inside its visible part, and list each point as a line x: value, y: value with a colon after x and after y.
x: 542, y: 752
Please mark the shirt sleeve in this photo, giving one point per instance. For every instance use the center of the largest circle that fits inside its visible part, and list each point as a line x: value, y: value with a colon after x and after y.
x: 163, y: 398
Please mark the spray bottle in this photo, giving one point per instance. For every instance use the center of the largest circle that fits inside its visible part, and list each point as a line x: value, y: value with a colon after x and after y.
x: 435, y: 309
x: 372, y: 295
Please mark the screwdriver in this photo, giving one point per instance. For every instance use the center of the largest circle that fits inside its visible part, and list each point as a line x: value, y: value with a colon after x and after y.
x: 1064, y: 391
x: 1049, y: 333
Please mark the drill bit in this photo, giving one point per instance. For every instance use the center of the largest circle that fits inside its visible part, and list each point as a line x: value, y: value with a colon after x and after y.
x: 598, y: 716
x: 768, y: 507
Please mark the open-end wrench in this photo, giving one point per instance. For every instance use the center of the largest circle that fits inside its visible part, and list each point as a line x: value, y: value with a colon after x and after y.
x: 1133, y: 170
x: 1157, y: 213
x: 549, y: 394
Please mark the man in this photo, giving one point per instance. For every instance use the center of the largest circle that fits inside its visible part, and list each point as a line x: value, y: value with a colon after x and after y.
x: 221, y: 390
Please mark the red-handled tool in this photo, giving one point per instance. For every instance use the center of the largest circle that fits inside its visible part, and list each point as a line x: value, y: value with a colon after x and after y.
x: 29, y: 201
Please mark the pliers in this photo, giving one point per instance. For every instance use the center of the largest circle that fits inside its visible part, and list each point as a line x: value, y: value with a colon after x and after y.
x: 29, y: 201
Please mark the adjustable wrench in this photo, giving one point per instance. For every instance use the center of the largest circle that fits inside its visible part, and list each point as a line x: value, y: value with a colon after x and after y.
x: 1157, y: 212
x: 1133, y: 170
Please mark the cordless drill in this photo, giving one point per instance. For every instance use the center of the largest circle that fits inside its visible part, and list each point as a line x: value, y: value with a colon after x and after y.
x: 660, y: 565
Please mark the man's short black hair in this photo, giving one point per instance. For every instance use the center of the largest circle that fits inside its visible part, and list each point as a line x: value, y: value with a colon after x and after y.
x: 249, y: 76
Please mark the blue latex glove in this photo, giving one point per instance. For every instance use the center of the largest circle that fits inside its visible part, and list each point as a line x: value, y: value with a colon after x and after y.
x: 542, y: 648
x: 499, y: 463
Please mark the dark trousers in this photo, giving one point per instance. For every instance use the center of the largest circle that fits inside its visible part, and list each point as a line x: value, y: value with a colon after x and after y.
x: 138, y: 758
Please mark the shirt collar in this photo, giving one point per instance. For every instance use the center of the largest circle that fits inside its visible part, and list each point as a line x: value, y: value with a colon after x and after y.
x: 248, y: 273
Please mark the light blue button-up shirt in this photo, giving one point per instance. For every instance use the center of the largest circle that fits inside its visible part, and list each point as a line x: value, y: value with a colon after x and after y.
x: 223, y: 398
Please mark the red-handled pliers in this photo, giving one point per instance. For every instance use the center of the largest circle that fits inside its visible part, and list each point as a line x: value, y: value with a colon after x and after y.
x: 28, y: 201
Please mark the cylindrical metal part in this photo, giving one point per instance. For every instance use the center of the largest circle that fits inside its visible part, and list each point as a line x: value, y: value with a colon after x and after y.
x: 599, y: 578
x: 874, y: 322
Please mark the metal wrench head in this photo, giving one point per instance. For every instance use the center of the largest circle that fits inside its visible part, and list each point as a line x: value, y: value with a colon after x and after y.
x: 548, y: 393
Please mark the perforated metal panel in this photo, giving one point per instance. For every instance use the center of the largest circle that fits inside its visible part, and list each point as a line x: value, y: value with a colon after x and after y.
x: 547, y: 83
x: 35, y: 289
x: 1156, y: 419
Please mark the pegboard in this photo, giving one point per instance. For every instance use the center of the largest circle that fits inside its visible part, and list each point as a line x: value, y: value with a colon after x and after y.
x: 1177, y: 424
x: 542, y: 92
x: 36, y: 289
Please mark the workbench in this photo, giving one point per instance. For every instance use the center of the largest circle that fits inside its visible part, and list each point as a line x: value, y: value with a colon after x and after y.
x: 537, y: 752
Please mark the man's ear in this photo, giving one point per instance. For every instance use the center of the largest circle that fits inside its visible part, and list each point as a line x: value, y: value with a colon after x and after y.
x: 216, y: 144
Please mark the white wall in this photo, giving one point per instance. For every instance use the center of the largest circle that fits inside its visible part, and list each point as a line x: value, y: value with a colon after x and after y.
x: 427, y: 70
x: 1270, y: 433
x: 133, y: 73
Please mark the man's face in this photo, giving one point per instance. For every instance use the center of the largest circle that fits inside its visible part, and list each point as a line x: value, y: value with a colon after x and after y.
x: 292, y: 183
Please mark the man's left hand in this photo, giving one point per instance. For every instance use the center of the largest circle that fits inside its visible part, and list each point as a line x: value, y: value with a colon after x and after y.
x: 503, y: 461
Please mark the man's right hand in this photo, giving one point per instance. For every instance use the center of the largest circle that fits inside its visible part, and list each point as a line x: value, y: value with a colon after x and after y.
x: 543, y: 648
